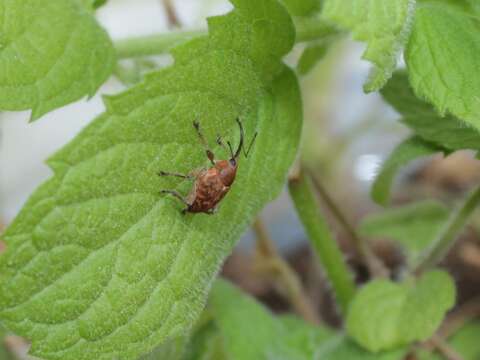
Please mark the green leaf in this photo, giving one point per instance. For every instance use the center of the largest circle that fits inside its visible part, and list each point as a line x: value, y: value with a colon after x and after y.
x: 51, y: 53
x: 415, y: 226
x: 342, y: 348
x: 464, y: 342
x: 385, y: 315
x: 443, y: 57
x: 99, y: 264
x: 383, y: 25
x: 311, y: 56
x: 302, y: 7
x: 172, y: 350
x: 407, y: 151
x: 251, y: 331
x: 447, y: 131
x: 206, y: 344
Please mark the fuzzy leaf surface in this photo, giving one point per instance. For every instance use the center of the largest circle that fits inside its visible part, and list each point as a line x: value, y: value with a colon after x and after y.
x: 443, y: 57
x: 447, y: 131
x: 414, y: 226
x: 386, y: 315
x: 99, y: 264
x: 51, y: 54
x: 383, y: 24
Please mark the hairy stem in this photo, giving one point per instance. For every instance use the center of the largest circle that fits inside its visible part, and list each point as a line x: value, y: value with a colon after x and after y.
x: 449, y: 233
x: 362, y: 247
x: 323, y: 243
x: 272, y: 262
x: 157, y: 44
x: 152, y: 44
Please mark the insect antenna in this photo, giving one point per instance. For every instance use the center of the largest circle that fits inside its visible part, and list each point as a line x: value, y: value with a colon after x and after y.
x: 242, y: 135
x: 250, y: 146
x: 222, y: 144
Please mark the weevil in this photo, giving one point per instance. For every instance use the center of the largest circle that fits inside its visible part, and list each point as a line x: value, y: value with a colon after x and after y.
x: 210, y: 184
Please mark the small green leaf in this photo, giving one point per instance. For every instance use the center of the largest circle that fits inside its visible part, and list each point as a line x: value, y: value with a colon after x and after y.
x: 443, y: 58
x: 383, y: 25
x: 251, y: 331
x: 407, y: 151
x: 51, y: 53
x: 447, y: 131
x: 311, y: 56
x: 343, y: 348
x: 385, y: 315
x: 415, y: 226
x: 99, y: 264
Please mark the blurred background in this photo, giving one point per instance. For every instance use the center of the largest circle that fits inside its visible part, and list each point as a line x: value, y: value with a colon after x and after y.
x: 347, y: 135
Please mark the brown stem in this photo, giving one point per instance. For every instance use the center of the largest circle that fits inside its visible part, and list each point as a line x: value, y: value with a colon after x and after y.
x: 172, y: 17
x: 273, y: 263
x: 446, y: 350
x: 458, y: 318
x: 374, y: 264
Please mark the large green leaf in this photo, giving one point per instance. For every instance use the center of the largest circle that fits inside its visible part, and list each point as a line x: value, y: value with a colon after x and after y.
x: 407, y: 151
x: 51, y: 54
x: 383, y: 24
x: 443, y: 58
x: 415, y: 226
x: 99, y: 265
x: 385, y: 315
x: 447, y: 131
x: 251, y: 331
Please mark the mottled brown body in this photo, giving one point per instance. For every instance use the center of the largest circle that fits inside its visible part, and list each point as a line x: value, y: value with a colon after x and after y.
x: 212, y: 184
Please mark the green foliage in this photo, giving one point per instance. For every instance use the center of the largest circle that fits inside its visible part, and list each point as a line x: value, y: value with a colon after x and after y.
x: 49, y: 63
x: 464, y: 342
x: 443, y: 57
x: 385, y: 315
x: 342, y: 348
x: 251, y: 331
x: 311, y: 56
x: 415, y: 226
x: 302, y: 7
x: 99, y: 265
x: 407, y: 151
x: 383, y: 25
x: 447, y: 131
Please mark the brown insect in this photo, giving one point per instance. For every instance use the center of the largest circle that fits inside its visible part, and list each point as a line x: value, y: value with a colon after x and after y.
x: 212, y: 184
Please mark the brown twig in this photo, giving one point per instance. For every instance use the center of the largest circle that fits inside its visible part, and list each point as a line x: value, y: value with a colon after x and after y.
x: 172, y: 17
x: 458, y: 318
x: 446, y: 350
x: 272, y: 263
x: 374, y: 264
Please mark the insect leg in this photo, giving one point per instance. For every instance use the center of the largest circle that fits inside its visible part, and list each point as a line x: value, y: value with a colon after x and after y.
x: 209, y: 152
x: 176, y: 194
x: 164, y: 173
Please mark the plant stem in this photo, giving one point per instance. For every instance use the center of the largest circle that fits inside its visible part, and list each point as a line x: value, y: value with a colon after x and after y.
x: 172, y: 17
x: 271, y: 261
x: 449, y: 233
x: 152, y: 44
x: 323, y: 243
x: 307, y: 29
x: 362, y: 247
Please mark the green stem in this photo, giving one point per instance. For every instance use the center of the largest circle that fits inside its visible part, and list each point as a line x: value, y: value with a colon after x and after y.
x: 152, y: 44
x: 449, y: 233
x: 307, y: 29
x: 322, y: 241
